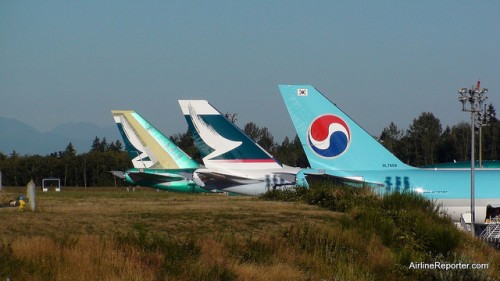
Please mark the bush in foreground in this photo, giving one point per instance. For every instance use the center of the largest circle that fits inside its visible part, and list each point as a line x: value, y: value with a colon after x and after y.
x: 409, y: 227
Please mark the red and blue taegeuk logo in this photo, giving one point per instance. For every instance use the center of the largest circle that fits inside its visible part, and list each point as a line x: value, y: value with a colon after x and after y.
x: 329, y: 136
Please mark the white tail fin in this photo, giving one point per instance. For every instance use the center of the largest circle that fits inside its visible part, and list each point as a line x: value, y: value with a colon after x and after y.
x: 220, y: 142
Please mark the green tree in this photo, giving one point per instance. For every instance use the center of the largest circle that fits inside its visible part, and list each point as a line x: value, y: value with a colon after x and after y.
x: 446, y: 150
x: 232, y: 117
x: 391, y: 138
x: 14, y: 160
x: 492, y: 140
x: 424, y: 132
x: 291, y: 153
x: 115, y: 146
x: 185, y: 142
x: 98, y: 145
x: 491, y: 136
x: 262, y: 136
x: 460, y: 135
x: 493, y: 113
x: 68, y: 157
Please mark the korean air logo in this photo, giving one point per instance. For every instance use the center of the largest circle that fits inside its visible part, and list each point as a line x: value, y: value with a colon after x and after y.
x: 329, y: 136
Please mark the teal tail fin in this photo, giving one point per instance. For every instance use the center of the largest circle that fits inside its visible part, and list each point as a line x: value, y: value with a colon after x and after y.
x: 221, y: 143
x: 148, y: 147
x: 331, y: 139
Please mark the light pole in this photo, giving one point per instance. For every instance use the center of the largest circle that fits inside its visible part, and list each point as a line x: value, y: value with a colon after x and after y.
x: 482, y: 121
x: 475, y: 98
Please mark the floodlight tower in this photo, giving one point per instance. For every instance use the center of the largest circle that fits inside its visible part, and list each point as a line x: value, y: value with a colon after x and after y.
x: 474, y: 97
x: 482, y: 121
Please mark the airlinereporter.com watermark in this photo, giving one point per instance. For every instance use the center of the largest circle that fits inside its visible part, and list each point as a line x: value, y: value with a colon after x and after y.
x: 447, y: 266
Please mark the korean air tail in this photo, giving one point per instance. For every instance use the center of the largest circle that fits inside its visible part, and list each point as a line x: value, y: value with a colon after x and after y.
x: 331, y: 139
x: 148, y: 147
x: 221, y: 144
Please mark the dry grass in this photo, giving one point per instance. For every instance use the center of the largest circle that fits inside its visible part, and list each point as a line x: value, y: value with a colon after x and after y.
x: 273, y: 272
x: 72, y: 234
x: 112, y: 234
x: 87, y: 258
x: 100, y: 212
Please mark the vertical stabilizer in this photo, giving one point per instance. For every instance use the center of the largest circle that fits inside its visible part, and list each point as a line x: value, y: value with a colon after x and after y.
x: 221, y: 143
x: 148, y: 147
x: 331, y: 139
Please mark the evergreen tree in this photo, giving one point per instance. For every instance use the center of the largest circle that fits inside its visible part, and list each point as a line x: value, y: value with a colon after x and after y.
x: 186, y: 143
x: 115, y: 146
x: 391, y: 139
x: 425, y: 132
x: 232, y: 117
x: 262, y: 136
x: 446, y: 151
x: 460, y: 135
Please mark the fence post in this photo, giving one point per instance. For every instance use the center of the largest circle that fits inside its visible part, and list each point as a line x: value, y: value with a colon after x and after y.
x: 30, y: 193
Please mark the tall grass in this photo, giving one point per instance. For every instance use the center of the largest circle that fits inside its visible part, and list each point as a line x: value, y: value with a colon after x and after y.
x: 340, y: 198
x: 332, y: 233
x: 409, y: 227
x: 91, y: 258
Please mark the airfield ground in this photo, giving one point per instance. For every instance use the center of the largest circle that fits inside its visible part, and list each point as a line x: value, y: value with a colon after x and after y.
x: 112, y: 234
x: 82, y: 234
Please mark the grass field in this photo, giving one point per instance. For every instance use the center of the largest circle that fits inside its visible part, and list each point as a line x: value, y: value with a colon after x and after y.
x: 112, y: 234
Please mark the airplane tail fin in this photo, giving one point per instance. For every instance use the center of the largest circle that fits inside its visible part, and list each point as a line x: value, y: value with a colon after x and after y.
x: 148, y: 147
x: 331, y: 139
x: 221, y: 143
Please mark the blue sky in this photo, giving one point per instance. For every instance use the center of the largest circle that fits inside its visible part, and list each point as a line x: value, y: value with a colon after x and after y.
x: 380, y: 61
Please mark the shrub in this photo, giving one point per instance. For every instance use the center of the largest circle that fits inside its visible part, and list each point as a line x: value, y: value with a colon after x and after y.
x: 176, y: 251
x: 9, y: 264
x: 410, y: 201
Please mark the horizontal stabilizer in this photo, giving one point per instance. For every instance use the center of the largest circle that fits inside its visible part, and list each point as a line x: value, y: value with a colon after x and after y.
x: 320, y: 178
x: 213, y: 180
x: 119, y: 174
x: 287, y: 178
x: 139, y: 177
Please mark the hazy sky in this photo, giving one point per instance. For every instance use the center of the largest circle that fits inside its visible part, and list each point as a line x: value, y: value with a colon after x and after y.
x: 380, y: 61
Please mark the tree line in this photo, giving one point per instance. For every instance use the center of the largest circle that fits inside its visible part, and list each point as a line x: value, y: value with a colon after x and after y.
x: 423, y: 143
x: 426, y: 143
x: 88, y: 169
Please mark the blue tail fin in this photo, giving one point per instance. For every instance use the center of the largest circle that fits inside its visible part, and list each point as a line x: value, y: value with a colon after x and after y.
x: 220, y: 142
x: 148, y: 147
x: 331, y: 139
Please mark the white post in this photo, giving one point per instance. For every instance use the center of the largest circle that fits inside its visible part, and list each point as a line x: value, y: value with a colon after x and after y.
x: 30, y: 194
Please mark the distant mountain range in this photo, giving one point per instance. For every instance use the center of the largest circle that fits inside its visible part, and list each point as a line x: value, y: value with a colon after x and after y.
x: 24, y: 139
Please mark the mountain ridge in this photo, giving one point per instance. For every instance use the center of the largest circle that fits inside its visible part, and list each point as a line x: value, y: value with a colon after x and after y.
x: 24, y: 139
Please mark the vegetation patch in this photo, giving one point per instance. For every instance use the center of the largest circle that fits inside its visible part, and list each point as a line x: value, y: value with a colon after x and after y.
x: 405, y: 228
x: 146, y: 235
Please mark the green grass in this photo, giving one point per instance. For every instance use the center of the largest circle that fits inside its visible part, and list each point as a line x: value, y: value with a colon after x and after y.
x: 408, y: 227
x: 325, y: 233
